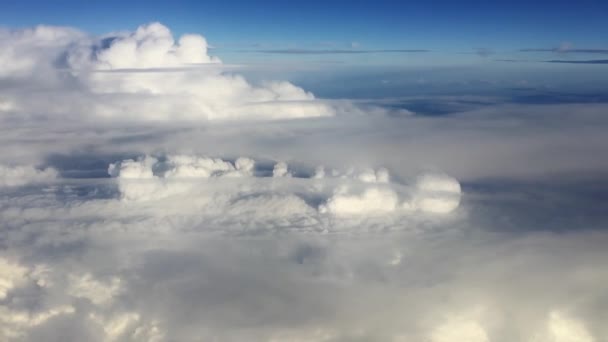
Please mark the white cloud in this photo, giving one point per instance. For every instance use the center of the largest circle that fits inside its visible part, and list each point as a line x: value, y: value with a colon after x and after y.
x: 141, y: 75
x: 435, y: 193
x: 373, y: 200
x: 23, y: 175
x: 366, y: 192
x: 280, y: 170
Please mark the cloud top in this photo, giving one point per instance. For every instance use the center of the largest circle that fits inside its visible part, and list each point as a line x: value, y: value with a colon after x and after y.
x: 197, y: 88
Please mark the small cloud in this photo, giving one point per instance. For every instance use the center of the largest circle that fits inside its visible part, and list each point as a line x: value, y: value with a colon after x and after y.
x: 567, y: 47
x: 484, y: 52
x: 564, y: 47
x: 513, y: 60
x: 334, y: 51
x: 591, y: 61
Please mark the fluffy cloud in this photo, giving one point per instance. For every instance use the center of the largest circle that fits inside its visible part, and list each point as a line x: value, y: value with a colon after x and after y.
x: 206, y: 262
x: 371, y: 200
x: 353, y: 193
x: 141, y: 75
x: 28, y: 52
x: 22, y: 175
x: 435, y: 193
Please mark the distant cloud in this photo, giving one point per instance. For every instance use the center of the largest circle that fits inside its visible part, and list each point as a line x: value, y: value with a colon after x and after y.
x: 144, y: 75
x: 591, y: 61
x: 598, y: 51
x: 563, y: 61
x: 484, y: 52
x: 334, y: 51
x: 566, y: 47
x: 512, y: 60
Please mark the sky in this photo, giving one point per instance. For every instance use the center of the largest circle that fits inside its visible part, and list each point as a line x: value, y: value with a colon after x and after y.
x: 557, y: 45
x: 448, y: 28
x: 282, y: 171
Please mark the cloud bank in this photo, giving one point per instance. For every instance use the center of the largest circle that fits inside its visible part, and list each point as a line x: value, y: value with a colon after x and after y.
x: 146, y: 195
x: 137, y: 76
x: 352, y: 192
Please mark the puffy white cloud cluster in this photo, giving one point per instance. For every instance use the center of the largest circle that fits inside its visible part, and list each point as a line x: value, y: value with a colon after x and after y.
x: 23, y: 175
x: 353, y: 193
x: 431, y: 193
x: 371, y: 200
x: 435, y: 193
x: 369, y: 175
x: 280, y: 170
x: 151, y: 178
x: 141, y: 75
x: 180, y: 167
x: 149, y: 46
x: 204, y: 261
x: 29, y: 52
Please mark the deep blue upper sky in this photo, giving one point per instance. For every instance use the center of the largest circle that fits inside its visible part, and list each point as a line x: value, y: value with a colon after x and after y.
x: 450, y: 26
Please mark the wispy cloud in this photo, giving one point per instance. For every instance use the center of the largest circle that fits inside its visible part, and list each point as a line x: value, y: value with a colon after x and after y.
x: 512, y: 60
x: 566, y: 47
x: 563, y: 61
x: 598, y: 51
x: 333, y: 51
x: 590, y: 61
x: 484, y: 52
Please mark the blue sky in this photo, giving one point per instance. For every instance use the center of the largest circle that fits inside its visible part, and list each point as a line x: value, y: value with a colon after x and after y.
x: 472, y: 42
x: 449, y: 27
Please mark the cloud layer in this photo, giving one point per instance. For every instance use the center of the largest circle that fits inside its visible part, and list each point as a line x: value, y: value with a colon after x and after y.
x: 145, y: 195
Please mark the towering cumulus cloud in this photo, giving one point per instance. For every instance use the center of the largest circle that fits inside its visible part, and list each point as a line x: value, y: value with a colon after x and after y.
x: 140, y: 75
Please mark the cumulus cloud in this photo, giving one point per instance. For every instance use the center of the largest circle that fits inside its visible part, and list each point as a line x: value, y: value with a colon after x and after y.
x: 206, y: 262
x: 150, y: 178
x: 22, y: 175
x: 136, y: 76
x: 364, y: 192
x: 280, y: 170
x: 371, y: 200
x: 435, y: 193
